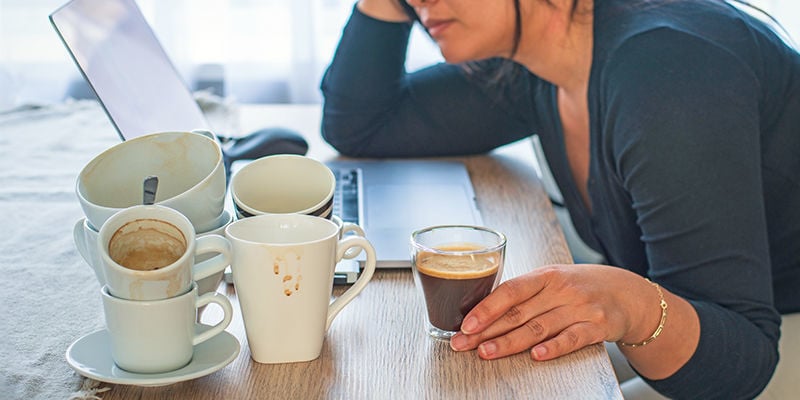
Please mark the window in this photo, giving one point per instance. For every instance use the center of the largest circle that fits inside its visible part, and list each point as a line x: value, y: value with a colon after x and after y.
x: 252, y: 50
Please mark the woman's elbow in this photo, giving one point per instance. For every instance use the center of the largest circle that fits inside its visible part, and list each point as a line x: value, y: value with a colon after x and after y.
x: 342, y: 139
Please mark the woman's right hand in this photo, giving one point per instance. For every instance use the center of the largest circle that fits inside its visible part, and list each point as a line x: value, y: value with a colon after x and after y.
x: 384, y: 10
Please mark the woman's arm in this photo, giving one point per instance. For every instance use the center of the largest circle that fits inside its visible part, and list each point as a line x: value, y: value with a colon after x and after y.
x: 692, y: 166
x: 384, y: 10
x: 373, y: 108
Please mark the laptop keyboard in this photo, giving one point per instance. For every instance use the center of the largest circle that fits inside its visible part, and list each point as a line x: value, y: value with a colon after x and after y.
x: 345, y: 199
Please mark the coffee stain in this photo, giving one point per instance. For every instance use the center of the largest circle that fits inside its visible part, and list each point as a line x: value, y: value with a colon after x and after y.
x: 175, y: 281
x: 287, y: 266
x: 276, y: 267
x: 136, y: 289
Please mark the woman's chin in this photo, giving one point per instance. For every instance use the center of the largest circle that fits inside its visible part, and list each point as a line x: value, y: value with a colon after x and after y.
x: 455, y: 55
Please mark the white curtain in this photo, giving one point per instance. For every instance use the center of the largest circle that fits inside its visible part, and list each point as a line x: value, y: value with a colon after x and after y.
x: 268, y: 51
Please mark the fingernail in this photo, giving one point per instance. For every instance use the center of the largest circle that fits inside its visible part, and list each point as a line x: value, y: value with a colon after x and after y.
x: 488, y: 349
x: 539, y: 352
x: 469, y: 325
x: 458, y: 342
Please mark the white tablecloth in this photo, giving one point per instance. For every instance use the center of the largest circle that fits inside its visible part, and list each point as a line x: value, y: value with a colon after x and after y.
x: 49, y: 295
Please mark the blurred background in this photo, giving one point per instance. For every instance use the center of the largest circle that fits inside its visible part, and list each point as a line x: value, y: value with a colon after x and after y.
x: 249, y: 51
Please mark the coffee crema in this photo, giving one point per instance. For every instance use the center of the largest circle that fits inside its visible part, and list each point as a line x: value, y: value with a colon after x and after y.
x: 146, y: 245
x: 454, y: 283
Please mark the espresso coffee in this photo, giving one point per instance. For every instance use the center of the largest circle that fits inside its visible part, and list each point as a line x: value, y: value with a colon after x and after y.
x: 454, y: 284
x: 147, y: 245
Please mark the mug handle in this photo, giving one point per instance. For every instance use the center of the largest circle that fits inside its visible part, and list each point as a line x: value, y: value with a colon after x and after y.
x: 82, y: 244
x: 369, y: 269
x: 352, y: 252
x: 227, y: 309
x: 211, y: 244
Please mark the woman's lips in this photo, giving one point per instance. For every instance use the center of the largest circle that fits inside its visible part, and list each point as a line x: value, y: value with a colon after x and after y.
x: 436, y: 27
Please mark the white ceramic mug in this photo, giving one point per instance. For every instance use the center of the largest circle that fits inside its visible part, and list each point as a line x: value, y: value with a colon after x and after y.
x: 190, y: 171
x: 159, y: 335
x: 283, y: 267
x: 131, y: 245
x: 281, y: 184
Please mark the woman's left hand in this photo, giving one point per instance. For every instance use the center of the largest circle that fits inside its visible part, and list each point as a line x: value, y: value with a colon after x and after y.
x: 554, y: 310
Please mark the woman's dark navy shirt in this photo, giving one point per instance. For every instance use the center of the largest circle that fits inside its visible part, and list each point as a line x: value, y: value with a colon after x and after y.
x: 694, y: 177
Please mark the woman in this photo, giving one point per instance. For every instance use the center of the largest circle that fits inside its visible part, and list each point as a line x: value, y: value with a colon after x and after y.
x: 672, y: 128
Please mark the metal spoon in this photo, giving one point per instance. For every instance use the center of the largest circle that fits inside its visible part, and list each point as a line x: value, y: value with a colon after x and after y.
x: 149, y: 188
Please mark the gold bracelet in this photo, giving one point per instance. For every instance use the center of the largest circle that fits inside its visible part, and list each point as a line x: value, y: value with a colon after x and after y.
x: 660, y: 328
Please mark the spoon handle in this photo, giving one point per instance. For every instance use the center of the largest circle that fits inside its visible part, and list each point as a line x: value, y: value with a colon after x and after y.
x: 150, y: 186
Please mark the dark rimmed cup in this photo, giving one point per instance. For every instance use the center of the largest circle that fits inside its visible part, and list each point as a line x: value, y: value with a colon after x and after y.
x: 283, y: 184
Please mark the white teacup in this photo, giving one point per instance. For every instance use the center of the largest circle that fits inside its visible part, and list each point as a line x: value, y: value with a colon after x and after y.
x: 86, y: 241
x: 159, y: 335
x: 283, y: 267
x: 190, y: 171
x: 148, y: 253
x: 282, y: 184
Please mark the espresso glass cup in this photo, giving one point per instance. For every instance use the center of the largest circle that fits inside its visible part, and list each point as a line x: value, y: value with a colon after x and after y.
x: 455, y: 267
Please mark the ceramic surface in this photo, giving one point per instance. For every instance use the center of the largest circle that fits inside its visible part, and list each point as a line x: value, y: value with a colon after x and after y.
x: 90, y: 356
x: 189, y: 166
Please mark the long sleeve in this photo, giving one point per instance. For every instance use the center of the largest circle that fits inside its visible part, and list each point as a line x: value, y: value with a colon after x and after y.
x: 681, y: 135
x: 373, y: 108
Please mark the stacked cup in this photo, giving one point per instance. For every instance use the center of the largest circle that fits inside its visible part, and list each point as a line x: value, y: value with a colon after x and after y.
x: 289, y: 184
x: 286, y: 243
x: 190, y: 171
x: 150, y: 298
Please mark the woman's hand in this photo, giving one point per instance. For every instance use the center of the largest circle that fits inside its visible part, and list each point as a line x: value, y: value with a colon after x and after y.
x: 558, y: 309
x: 385, y: 10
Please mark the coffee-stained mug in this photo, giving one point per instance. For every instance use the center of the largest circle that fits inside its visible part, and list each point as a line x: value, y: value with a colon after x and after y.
x: 282, y: 184
x: 190, y: 171
x: 283, y: 267
x: 148, y: 253
x: 159, y: 335
x: 455, y: 267
x: 86, y: 241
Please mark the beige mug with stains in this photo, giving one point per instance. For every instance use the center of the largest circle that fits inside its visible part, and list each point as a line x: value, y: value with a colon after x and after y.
x: 283, y: 267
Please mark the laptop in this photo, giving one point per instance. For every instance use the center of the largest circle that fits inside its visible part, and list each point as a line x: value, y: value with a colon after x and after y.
x: 141, y: 91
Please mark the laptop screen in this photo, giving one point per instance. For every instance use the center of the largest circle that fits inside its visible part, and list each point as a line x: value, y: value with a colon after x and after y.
x: 122, y: 60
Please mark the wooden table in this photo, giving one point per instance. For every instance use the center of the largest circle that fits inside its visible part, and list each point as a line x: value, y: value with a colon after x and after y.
x: 377, y: 348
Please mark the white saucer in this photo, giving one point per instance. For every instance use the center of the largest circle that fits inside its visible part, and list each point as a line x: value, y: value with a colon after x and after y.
x: 90, y: 356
